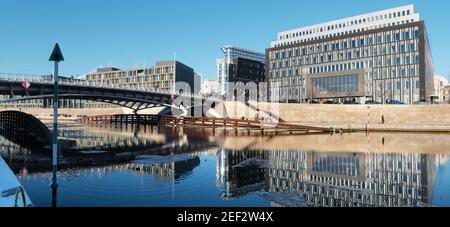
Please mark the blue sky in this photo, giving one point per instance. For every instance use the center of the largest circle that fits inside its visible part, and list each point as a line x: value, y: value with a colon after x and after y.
x: 125, y: 33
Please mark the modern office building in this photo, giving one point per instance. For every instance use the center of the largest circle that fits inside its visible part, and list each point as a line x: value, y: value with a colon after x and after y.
x: 230, y: 54
x: 163, y: 76
x: 383, y: 56
x: 249, y: 72
x: 440, y: 83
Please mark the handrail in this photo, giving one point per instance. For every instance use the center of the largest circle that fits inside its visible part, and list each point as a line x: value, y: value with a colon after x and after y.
x: 39, y: 79
x: 24, y: 199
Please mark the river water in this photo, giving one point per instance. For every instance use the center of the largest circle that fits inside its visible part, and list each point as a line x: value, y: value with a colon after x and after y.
x: 129, y: 167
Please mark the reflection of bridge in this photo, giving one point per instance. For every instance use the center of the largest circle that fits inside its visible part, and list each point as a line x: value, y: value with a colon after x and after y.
x: 92, y: 148
x: 170, y: 171
x: 133, y: 97
x: 167, y: 170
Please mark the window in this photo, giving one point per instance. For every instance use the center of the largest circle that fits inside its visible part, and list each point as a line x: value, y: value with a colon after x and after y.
x: 398, y: 85
x: 336, y: 84
x: 397, y: 36
x: 412, y: 47
x: 416, y: 34
x: 417, y: 84
x: 361, y: 42
x: 406, y: 35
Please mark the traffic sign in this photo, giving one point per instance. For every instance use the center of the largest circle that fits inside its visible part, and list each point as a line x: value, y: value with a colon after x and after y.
x: 56, y: 54
x: 26, y: 84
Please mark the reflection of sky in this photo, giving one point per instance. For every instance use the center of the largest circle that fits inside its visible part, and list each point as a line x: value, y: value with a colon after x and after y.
x: 441, y: 195
x: 127, y: 188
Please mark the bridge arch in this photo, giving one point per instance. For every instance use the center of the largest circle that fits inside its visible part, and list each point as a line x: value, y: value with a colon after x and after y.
x: 136, y: 104
x: 24, y: 129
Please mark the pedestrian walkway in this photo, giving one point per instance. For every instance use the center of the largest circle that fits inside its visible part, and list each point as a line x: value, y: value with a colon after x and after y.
x: 12, y: 192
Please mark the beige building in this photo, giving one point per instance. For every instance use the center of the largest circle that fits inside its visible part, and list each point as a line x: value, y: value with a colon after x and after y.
x: 440, y: 82
x: 164, y: 76
x: 390, y: 47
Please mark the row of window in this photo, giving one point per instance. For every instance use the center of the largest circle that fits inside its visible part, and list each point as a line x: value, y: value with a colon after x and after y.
x: 362, y: 41
x: 385, y: 72
x: 347, y: 24
x: 383, y: 61
x: 341, y: 33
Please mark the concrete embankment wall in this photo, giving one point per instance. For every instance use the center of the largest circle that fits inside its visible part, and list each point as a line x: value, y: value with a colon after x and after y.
x: 401, y: 117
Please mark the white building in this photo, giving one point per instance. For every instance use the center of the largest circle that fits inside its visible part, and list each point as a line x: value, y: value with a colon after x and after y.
x: 210, y: 87
x: 440, y: 83
x: 230, y: 53
x: 349, y: 25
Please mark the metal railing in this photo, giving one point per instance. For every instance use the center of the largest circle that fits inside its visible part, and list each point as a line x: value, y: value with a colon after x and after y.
x: 95, y: 84
x: 24, y: 198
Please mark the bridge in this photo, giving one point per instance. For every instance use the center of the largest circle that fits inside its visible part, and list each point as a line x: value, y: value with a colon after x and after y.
x: 135, y: 97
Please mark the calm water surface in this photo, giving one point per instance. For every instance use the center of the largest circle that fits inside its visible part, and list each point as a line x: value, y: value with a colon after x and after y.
x: 114, y: 166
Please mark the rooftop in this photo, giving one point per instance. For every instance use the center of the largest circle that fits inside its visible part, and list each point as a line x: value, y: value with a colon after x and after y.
x: 368, y: 21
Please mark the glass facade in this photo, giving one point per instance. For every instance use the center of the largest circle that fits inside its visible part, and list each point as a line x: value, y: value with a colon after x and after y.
x: 336, y: 84
x: 389, y: 55
x: 230, y: 53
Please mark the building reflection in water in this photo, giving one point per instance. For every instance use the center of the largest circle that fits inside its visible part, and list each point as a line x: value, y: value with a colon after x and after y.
x: 332, y: 179
x: 169, y: 170
x: 238, y: 179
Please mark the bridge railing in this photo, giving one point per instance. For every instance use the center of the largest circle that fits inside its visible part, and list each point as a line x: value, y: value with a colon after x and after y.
x: 85, y: 83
